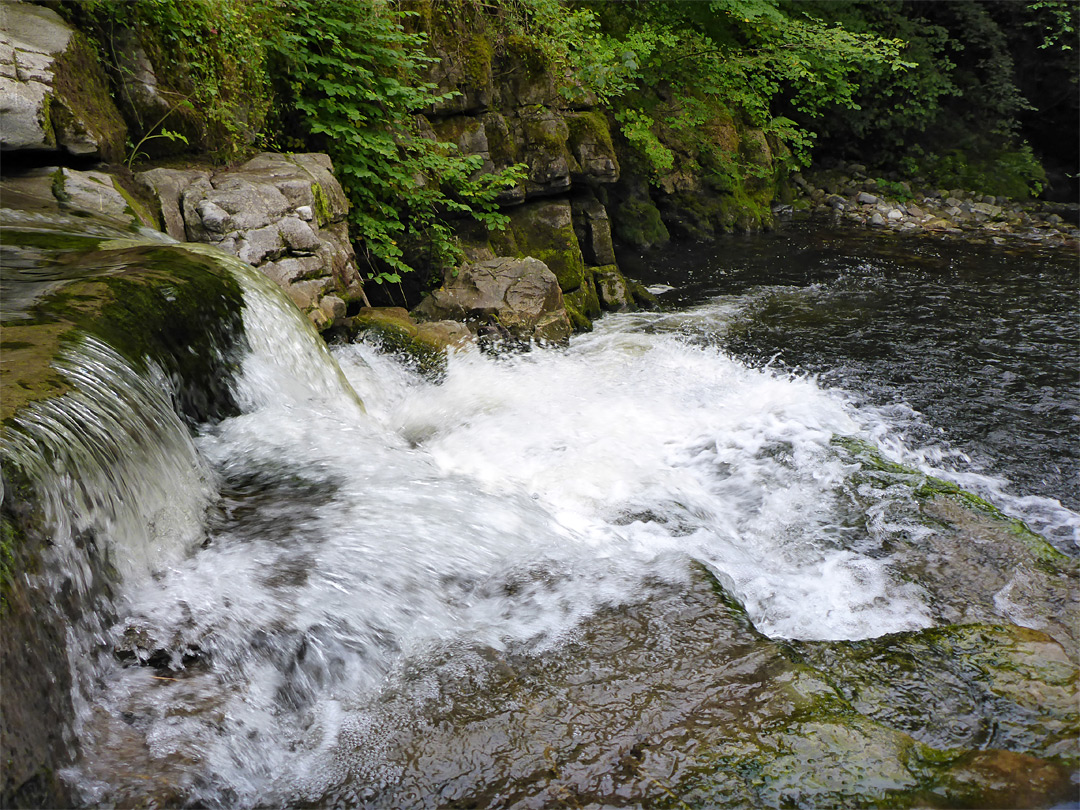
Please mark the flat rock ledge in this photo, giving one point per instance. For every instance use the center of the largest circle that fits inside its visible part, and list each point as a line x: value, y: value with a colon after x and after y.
x: 283, y: 214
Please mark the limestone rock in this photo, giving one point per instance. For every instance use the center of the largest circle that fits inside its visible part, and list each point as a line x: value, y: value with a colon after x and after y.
x: 284, y: 214
x: 53, y: 94
x: 519, y: 295
x: 167, y: 185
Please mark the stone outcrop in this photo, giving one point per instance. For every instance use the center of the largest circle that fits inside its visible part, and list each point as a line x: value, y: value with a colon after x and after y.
x: 513, y: 108
x: 54, y: 96
x: 520, y: 296
x: 284, y: 214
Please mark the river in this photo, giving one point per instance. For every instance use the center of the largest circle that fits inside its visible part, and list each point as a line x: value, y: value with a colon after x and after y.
x: 646, y: 568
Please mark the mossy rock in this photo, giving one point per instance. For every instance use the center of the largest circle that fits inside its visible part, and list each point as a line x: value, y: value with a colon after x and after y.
x: 638, y: 224
x: 151, y: 302
x: 584, y: 299
x: 578, y: 320
x: 394, y: 331
x: 613, y: 289
x: 476, y: 52
x: 950, y: 687
x: 83, y: 111
x: 545, y: 231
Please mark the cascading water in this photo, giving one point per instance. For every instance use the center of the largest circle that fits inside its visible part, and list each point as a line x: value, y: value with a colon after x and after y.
x: 326, y: 588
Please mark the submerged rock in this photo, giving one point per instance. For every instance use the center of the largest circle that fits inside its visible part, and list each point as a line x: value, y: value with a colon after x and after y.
x: 732, y: 718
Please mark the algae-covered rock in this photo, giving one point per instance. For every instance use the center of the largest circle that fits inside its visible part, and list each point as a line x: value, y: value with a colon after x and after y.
x: 729, y: 719
x: 613, y: 289
x: 593, y: 229
x: 961, y: 686
x: 974, y: 563
x: 519, y: 295
x: 393, y: 330
x: 584, y: 300
x: 638, y: 224
x: 545, y: 231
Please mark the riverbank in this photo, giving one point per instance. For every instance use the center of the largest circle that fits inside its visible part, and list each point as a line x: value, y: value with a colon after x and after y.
x: 850, y: 193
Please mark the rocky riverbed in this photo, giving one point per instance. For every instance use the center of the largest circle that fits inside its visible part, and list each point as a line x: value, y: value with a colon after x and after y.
x: 847, y: 193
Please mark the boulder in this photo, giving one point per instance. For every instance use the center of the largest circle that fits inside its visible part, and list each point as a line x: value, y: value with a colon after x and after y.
x: 613, y: 289
x: 284, y: 214
x: 521, y: 296
x: 53, y: 94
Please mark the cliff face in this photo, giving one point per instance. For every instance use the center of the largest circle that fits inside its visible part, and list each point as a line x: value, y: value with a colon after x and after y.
x: 585, y: 190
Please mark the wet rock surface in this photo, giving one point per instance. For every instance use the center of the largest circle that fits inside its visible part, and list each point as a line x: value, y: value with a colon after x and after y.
x: 734, y: 720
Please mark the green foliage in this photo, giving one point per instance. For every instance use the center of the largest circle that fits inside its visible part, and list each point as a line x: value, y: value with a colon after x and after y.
x: 354, y: 75
x: 638, y: 129
x: 895, y: 190
x: 1057, y: 21
x: 980, y: 166
x: 213, y: 55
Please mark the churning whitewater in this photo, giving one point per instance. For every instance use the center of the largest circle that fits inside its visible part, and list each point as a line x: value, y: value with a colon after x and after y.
x: 496, y: 507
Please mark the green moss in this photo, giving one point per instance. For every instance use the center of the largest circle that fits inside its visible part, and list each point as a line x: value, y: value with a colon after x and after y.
x: 322, y: 204
x: 590, y: 127
x: 157, y: 303
x: 539, y: 132
x: 532, y: 234
x: 50, y: 240
x: 136, y: 209
x: 637, y: 223
x: 477, y: 52
x: 47, y: 125
x: 584, y: 299
x: 394, y: 332
x: 87, y: 104
x: 7, y: 559
x: 526, y: 56
x: 58, y: 189
x: 578, y: 321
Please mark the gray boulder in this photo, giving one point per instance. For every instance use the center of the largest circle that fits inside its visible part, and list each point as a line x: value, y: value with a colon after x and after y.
x: 521, y: 296
x: 284, y: 214
x: 53, y: 94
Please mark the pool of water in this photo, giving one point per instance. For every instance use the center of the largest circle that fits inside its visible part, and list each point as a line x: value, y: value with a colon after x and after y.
x: 974, y: 349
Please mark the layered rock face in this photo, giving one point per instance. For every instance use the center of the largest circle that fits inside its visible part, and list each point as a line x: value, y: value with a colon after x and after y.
x: 284, y: 214
x: 511, y: 110
x: 54, y: 96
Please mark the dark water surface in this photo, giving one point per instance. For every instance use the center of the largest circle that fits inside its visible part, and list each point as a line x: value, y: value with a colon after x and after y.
x: 981, y: 340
